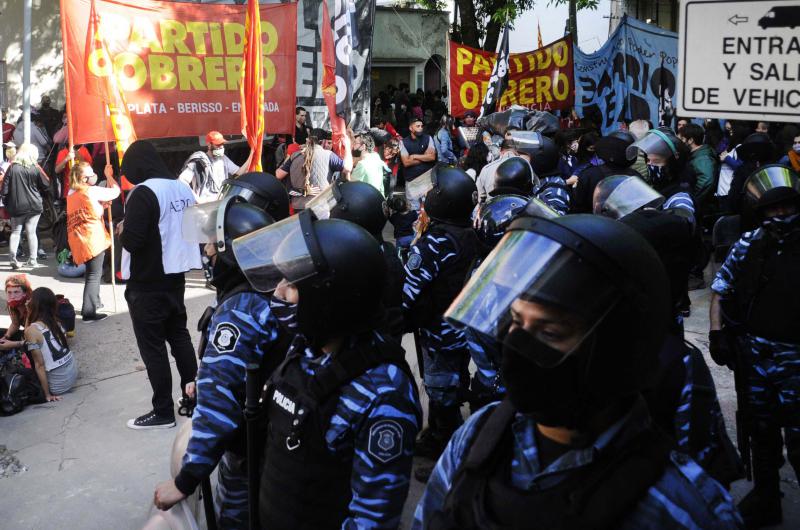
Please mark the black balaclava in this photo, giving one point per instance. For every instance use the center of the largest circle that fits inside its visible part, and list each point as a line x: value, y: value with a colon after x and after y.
x: 142, y: 162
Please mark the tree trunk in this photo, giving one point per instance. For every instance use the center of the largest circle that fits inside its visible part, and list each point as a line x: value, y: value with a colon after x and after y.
x: 469, y: 25
x: 573, y: 20
x: 492, y: 36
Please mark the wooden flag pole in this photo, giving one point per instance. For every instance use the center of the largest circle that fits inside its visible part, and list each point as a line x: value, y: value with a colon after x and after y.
x: 110, y: 218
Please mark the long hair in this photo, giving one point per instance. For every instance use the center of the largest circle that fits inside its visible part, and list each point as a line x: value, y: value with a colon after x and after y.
x: 76, y: 176
x: 308, y: 156
x: 21, y: 281
x: 43, y: 309
x: 27, y: 155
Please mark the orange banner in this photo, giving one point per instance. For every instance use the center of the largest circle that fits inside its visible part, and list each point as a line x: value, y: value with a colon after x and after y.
x: 541, y: 79
x: 251, y: 89
x: 179, y: 65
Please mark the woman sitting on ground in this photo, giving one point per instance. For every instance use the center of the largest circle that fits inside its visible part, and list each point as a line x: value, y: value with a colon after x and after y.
x: 18, y: 291
x: 54, y: 362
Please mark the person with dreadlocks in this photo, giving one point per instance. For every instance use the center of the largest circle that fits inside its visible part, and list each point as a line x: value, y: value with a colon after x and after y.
x: 310, y: 170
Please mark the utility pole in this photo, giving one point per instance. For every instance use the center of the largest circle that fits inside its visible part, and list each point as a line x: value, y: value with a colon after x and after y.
x: 573, y: 20
x: 26, y: 71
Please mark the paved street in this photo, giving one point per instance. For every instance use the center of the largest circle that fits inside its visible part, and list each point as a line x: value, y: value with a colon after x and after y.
x: 82, y: 468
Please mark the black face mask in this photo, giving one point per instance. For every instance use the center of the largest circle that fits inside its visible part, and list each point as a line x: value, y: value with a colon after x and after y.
x: 552, y: 396
x: 285, y: 312
x: 782, y: 226
x: 356, y: 152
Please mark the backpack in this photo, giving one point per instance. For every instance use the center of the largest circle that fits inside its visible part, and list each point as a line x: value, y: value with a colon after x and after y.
x: 65, y: 312
x: 18, y: 385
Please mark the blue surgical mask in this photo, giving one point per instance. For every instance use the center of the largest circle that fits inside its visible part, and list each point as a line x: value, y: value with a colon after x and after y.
x: 285, y: 312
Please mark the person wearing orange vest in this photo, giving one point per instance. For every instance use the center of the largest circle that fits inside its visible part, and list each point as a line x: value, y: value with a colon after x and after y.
x: 87, y: 235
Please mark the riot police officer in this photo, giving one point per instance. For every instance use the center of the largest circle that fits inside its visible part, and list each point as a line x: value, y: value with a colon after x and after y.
x: 754, y: 328
x: 548, y: 184
x: 342, y: 409
x: 240, y: 330
x: 362, y: 204
x: 580, y: 304
x: 259, y: 189
x: 436, y: 269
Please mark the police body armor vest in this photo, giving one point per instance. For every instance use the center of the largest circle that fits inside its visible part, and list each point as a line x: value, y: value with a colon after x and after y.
x: 595, y: 497
x: 434, y: 301
x: 303, y: 484
x: 767, y: 289
x: 417, y: 147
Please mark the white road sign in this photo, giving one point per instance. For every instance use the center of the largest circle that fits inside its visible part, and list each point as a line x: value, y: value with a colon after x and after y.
x: 740, y: 59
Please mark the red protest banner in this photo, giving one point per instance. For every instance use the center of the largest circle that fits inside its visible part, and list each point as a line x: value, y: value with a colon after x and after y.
x: 541, y: 79
x: 178, y: 64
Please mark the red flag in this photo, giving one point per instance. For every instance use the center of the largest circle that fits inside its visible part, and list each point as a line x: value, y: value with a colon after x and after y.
x: 539, y: 31
x: 102, y: 81
x: 251, y: 88
x: 341, y: 141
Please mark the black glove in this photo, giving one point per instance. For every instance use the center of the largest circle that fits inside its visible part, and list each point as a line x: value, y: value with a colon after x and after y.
x: 720, y: 348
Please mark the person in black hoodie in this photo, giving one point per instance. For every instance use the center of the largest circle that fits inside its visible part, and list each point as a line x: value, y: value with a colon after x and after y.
x: 155, y: 259
x: 612, y: 149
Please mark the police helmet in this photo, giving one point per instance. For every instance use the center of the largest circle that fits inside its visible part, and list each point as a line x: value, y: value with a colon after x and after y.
x: 596, y: 270
x: 619, y: 195
x: 357, y: 202
x: 262, y: 190
x: 771, y: 185
x: 450, y: 194
x: 661, y: 142
x: 491, y: 219
x: 757, y: 147
x: 337, y: 266
x: 514, y: 175
x: 222, y: 221
x: 613, y: 149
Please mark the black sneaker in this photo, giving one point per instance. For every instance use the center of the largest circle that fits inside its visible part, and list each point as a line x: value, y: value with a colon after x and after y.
x: 151, y: 421
x: 95, y: 318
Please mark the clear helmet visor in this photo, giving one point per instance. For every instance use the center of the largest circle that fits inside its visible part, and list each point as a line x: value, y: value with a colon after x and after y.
x: 616, y: 199
x: 323, y: 204
x: 655, y: 142
x: 205, y: 223
x: 231, y: 188
x: 771, y: 177
x: 551, y: 291
x: 420, y: 186
x: 538, y: 208
x: 274, y: 252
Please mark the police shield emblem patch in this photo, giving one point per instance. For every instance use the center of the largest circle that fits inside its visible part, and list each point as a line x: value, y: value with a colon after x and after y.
x: 225, y: 337
x: 414, y: 262
x: 386, y: 440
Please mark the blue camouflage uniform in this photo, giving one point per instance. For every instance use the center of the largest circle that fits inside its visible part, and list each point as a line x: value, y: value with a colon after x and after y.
x: 681, y: 200
x: 379, y: 485
x: 684, y: 497
x: 773, y: 368
x: 485, y: 354
x: 445, y: 349
x: 242, y: 331
x: 552, y: 191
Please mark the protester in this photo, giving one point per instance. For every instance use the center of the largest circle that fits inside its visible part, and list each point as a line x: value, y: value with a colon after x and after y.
x: 309, y: 170
x: 418, y: 155
x: 385, y: 125
x: 567, y: 142
x: 792, y: 158
x: 87, y: 234
x: 586, y: 156
x: 370, y: 168
x: 10, y: 151
x: 302, y: 127
x: 485, y: 180
x: 729, y: 158
x: 39, y: 137
x: 205, y: 171
x: 65, y: 160
x: 51, y: 118
x: 18, y: 292
x: 24, y: 184
x: 476, y: 160
x: 444, y: 142
x: 46, y: 343
x: 158, y: 259
x: 702, y: 159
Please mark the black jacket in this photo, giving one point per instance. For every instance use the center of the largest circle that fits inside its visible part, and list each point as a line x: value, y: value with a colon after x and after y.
x: 22, y: 190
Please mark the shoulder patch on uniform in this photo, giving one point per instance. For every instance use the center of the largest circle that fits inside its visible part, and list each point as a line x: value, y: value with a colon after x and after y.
x: 414, y: 262
x: 226, y: 335
x: 386, y: 440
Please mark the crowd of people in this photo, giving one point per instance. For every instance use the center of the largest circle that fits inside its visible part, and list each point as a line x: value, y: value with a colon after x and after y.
x: 555, y: 258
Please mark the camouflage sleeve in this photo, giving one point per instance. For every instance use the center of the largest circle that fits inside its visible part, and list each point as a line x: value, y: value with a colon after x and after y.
x: 724, y: 281
x: 383, y: 451
x: 423, y: 265
x: 241, y: 330
x: 554, y: 193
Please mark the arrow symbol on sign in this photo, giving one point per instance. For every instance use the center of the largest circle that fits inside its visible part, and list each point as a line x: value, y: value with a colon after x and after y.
x: 736, y: 20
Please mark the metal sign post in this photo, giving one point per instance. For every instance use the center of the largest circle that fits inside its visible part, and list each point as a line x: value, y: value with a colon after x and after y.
x: 740, y: 59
